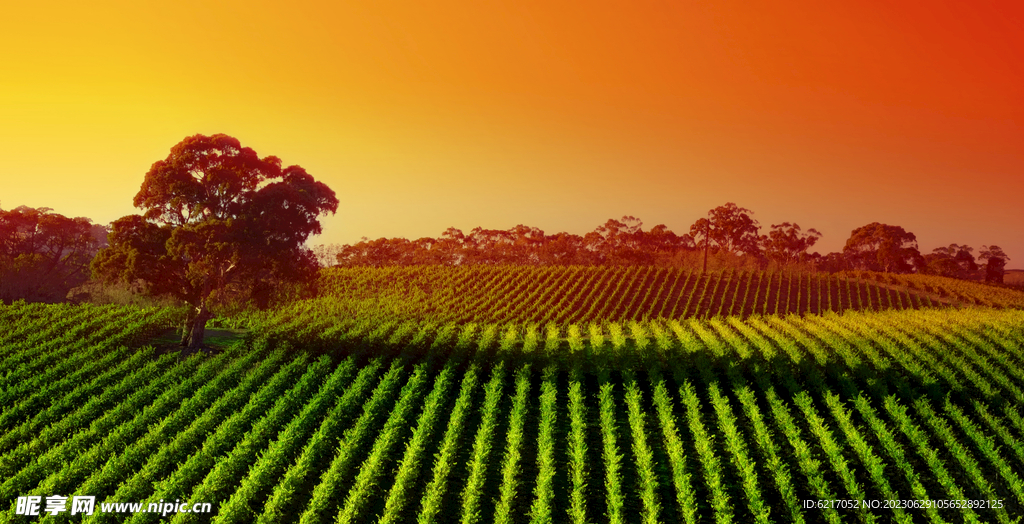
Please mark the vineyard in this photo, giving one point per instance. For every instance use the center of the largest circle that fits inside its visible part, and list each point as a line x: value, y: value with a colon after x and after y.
x: 566, y: 295
x: 316, y: 417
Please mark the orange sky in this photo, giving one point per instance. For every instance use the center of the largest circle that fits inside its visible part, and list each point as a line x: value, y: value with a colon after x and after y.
x: 426, y: 115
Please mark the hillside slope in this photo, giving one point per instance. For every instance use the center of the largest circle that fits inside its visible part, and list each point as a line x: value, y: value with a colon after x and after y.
x: 564, y: 295
x: 665, y: 421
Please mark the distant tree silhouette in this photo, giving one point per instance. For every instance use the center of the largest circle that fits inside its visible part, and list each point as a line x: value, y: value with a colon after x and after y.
x: 941, y: 264
x: 786, y: 243
x: 219, y: 224
x: 955, y: 261
x: 327, y: 254
x: 497, y: 246
x: 730, y: 228
x: 616, y: 242
x: 964, y: 258
x: 834, y: 262
x: 619, y: 243
x: 995, y: 263
x: 881, y: 247
x: 563, y: 249
x: 663, y: 243
x: 43, y: 255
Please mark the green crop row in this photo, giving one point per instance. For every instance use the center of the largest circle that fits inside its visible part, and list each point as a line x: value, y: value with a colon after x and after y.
x: 717, y: 419
x: 567, y: 295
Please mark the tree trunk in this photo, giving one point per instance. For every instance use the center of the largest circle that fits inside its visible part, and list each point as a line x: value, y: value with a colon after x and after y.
x: 193, y: 337
x: 994, y: 270
x: 186, y: 330
x: 707, y: 246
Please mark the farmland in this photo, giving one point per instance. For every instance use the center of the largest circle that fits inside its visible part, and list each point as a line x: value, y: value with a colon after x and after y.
x: 561, y: 395
x: 567, y: 295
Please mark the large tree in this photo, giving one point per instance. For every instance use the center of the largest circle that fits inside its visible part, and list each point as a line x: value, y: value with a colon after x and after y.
x: 219, y: 224
x: 881, y: 247
x: 730, y: 227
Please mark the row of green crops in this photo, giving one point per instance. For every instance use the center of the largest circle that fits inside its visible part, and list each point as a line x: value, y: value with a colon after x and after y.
x: 718, y: 420
x: 566, y: 295
x: 947, y: 289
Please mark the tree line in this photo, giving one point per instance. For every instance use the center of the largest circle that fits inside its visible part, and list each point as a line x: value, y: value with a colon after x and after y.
x: 43, y: 255
x: 729, y: 234
x: 222, y: 226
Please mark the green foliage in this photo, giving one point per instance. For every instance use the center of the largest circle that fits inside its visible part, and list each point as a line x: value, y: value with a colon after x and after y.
x: 511, y: 467
x: 578, y: 470
x: 482, y: 442
x: 575, y: 295
x: 719, y: 420
x: 220, y: 226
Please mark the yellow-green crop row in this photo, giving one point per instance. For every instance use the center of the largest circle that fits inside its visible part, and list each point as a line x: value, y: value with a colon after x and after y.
x: 718, y: 419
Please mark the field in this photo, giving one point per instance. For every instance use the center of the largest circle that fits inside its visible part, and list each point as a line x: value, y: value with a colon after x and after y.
x: 503, y: 412
x: 1014, y: 277
x: 565, y: 295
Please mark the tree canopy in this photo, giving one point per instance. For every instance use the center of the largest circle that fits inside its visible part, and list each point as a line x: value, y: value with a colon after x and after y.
x: 786, y: 243
x: 995, y: 263
x: 731, y: 229
x: 44, y: 254
x: 955, y: 260
x: 219, y: 224
x: 616, y: 242
x: 881, y: 247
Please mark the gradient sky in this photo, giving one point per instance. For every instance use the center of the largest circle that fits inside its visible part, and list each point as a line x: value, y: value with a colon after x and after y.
x: 426, y: 115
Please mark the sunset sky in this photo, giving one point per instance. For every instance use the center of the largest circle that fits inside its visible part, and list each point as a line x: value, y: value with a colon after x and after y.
x: 427, y: 115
